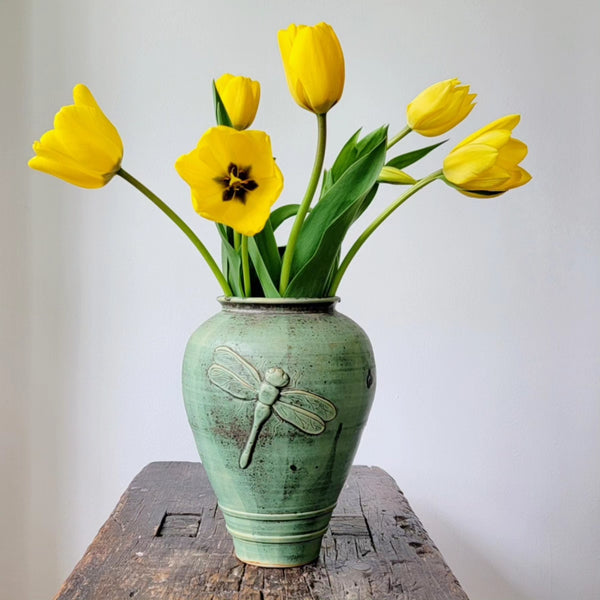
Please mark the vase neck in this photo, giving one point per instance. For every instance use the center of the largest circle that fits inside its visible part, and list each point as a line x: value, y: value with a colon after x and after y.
x: 297, y: 305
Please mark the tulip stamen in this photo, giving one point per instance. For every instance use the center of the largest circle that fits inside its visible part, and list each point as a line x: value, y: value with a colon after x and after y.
x: 237, y: 183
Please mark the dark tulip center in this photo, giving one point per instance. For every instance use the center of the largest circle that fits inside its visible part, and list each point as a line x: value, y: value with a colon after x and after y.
x: 237, y: 183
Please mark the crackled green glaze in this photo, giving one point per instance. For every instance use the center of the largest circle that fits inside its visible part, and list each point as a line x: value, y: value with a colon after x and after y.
x: 277, y: 392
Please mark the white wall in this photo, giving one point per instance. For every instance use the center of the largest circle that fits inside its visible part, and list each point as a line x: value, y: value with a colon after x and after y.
x: 14, y: 300
x: 483, y: 314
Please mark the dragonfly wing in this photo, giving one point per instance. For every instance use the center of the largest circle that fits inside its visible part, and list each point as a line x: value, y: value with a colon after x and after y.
x: 232, y: 383
x: 311, y: 402
x: 231, y: 360
x: 299, y: 417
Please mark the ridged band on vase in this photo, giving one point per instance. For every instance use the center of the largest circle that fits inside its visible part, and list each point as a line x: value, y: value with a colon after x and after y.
x: 277, y: 539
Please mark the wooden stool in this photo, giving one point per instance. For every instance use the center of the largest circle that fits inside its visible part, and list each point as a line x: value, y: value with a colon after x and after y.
x: 167, y: 539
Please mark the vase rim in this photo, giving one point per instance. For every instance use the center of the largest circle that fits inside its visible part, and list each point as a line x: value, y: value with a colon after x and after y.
x: 257, y: 301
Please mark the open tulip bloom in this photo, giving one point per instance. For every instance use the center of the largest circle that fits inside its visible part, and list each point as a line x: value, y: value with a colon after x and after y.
x: 235, y: 181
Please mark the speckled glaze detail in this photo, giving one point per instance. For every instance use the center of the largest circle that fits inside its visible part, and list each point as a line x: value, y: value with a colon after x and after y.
x: 277, y: 392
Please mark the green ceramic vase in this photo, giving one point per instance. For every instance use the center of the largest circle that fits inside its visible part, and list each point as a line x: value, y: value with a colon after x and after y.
x: 277, y: 392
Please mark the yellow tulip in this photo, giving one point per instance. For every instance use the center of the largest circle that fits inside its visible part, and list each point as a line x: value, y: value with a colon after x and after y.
x: 439, y: 108
x: 241, y: 96
x: 84, y: 148
x: 487, y: 162
x: 314, y: 65
x: 233, y: 177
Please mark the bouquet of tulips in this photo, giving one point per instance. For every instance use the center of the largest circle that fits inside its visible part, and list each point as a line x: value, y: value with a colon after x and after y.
x: 235, y: 181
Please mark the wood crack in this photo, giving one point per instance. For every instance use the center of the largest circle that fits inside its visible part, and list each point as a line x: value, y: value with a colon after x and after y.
x: 362, y: 510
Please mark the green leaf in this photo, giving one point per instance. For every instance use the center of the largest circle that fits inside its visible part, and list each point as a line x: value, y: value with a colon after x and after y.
x: 332, y: 271
x: 366, y: 201
x: 344, y: 159
x: 262, y: 272
x: 269, y: 252
x: 324, y: 230
x: 233, y: 260
x: 405, y: 160
x: 220, y: 111
x: 327, y: 181
x: 225, y: 231
x: 224, y: 261
x: 279, y: 215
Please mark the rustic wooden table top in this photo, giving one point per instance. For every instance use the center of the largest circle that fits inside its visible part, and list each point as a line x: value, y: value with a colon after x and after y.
x: 166, y: 539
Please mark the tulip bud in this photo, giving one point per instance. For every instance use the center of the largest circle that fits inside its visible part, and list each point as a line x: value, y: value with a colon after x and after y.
x: 439, y: 108
x: 395, y: 176
x: 486, y: 163
x: 241, y: 96
x: 314, y: 65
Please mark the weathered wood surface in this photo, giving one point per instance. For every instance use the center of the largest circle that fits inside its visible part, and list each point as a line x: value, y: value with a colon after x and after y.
x: 166, y: 539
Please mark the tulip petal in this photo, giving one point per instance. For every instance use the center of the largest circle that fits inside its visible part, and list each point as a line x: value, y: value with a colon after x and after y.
x: 513, y: 152
x: 82, y: 96
x: 50, y: 147
x: 72, y: 175
x: 508, y: 123
x: 496, y: 139
x: 98, y: 120
x: 429, y: 102
x: 493, y: 178
x: 467, y: 164
x: 85, y: 139
x: 518, y: 177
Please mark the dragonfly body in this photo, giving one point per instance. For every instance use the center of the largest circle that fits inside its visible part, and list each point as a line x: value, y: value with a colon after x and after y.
x: 275, y: 379
x: 268, y: 393
x: 236, y: 376
x: 262, y: 412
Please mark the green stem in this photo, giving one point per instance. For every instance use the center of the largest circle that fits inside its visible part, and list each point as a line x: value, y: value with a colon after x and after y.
x: 398, y: 137
x: 246, y: 267
x: 364, y: 236
x: 288, y: 255
x: 237, y: 237
x: 182, y: 225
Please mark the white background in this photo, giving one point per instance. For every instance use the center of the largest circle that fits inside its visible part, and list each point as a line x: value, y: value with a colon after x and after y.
x: 483, y: 314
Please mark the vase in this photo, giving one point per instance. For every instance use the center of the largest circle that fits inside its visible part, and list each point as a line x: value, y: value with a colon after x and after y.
x: 277, y: 392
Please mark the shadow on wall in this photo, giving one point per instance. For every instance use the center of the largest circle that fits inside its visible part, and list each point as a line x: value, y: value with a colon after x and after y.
x: 14, y: 434
x: 34, y: 350
x: 477, y: 575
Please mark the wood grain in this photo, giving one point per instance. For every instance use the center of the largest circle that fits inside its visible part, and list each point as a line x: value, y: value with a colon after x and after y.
x: 166, y: 539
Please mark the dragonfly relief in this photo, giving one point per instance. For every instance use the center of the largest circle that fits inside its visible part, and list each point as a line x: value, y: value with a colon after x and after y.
x: 236, y: 376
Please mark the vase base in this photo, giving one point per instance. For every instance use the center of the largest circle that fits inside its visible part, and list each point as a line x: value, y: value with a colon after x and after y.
x: 277, y: 566
x: 277, y: 556
x: 277, y: 540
